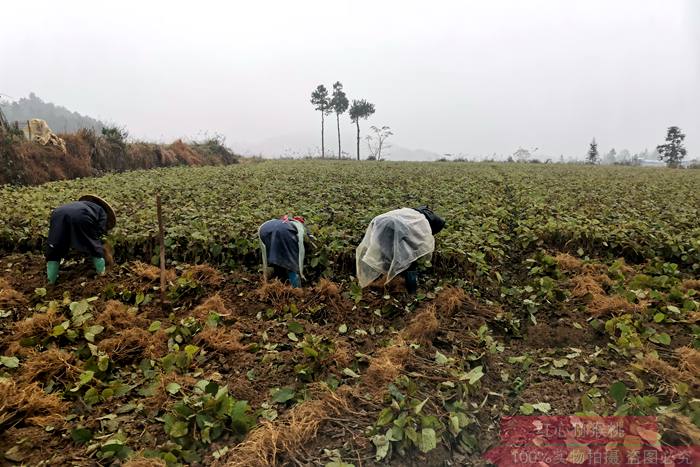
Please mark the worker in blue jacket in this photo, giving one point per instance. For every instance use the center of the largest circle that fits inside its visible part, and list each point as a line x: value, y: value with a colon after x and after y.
x: 282, y: 245
x: 80, y: 226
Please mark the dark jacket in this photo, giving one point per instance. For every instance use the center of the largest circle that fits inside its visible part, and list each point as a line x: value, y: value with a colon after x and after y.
x: 79, y: 226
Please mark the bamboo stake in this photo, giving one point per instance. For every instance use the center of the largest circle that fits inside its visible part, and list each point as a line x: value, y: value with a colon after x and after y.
x: 161, y: 240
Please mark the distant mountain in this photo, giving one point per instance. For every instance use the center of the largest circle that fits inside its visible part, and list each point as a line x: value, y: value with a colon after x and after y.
x: 60, y: 119
x: 304, y: 144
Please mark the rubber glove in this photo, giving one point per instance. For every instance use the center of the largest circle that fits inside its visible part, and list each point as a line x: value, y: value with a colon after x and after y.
x: 99, y: 264
x: 52, y: 271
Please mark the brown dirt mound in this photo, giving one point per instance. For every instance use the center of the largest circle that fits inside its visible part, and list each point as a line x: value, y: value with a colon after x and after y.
x: 150, y: 272
x: 116, y: 316
x: 386, y: 366
x: 213, y: 304
x: 604, y: 305
x: 133, y: 343
x: 221, y: 339
x: 450, y: 299
x: 285, y: 436
x: 51, y: 364
x: 689, y: 284
x: 144, y: 462
x: 423, y: 326
x: 28, y: 404
x: 9, y: 296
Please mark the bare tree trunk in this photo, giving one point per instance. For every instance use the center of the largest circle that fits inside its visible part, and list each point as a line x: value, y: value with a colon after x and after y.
x: 337, y: 118
x: 323, y: 148
x: 358, y: 138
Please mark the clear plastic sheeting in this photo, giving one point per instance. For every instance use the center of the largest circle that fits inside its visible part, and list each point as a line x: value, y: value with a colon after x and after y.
x: 392, y: 242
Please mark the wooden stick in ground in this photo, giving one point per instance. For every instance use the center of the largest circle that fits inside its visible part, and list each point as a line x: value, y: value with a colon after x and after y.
x: 161, y: 241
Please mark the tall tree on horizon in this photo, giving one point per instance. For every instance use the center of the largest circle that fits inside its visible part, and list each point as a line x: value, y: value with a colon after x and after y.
x: 339, y: 104
x: 592, y: 156
x: 360, y: 109
x: 673, y: 151
x: 321, y: 102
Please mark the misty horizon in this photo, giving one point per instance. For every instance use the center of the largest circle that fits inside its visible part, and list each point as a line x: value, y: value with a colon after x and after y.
x: 473, y: 79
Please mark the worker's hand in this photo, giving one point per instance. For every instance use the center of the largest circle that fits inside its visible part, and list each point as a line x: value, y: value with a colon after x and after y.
x: 108, y: 253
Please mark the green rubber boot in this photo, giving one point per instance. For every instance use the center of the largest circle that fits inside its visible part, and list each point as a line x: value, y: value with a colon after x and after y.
x: 52, y: 271
x: 99, y: 264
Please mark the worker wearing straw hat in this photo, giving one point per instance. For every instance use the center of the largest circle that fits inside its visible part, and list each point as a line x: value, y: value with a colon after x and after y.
x: 80, y: 226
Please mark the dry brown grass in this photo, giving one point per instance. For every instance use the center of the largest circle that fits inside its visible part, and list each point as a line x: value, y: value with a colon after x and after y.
x: 568, y: 263
x: 213, y: 304
x: 386, y: 366
x: 54, y: 363
x: 150, y: 272
x: 29, y: 405
x: 423, y: 326
x: 133, y: 343
x: 286, y: 436
x: 667, y: 372
x: 205, y: 275
x: 277, y: 293
x: 39, y: 324
x: 327, y: 288
x: 450, y: 299
x: 604, y: 305
x: 689, y: 360
x: 221, y: 340
x: 682, y: 425
x: 117, y: 316
x: 9, y: 296
x: 587, y: 284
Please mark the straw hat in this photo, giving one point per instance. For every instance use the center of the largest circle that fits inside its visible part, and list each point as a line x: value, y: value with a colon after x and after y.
x: 111, y: 217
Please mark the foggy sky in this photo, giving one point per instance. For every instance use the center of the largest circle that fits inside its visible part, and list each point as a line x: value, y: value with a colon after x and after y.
x: 470, y: 77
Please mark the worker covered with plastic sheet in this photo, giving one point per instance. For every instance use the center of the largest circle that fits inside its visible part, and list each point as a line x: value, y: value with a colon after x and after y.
x: 394, y: 242
x: 283, y: 245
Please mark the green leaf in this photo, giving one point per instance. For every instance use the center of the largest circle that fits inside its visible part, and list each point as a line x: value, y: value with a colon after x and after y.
x: 661, y: 338
x: 428, y: 440
x: 103, y: 362
x: 343, y: 328
x: 673, y: 309
x: 292, y: 337
x: 659, y: 317
x: 81, y: 435
x: 543, y: 407
x: 420, y: 406
x: 155, y: 326
x: 296, y: 328
x: 93, y: 331
x: 382, y: 444
x: 282, y: 395
x: 474, y: 375
x: 527, y: 409
x: 179, y: 429
x: 9, y: 362
x: 440, y: 358
x: 40, y: 292
x: 618, y: 391
x: 385, y: 417
x: 349, y: 372
x: 85, y: 377
x: 173, y: 388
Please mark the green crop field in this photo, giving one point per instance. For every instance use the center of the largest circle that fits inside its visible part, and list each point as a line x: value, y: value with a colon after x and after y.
x: 554, y: 290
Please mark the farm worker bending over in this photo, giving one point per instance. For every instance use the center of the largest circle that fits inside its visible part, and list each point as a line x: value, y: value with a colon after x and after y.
x: 79, y: 225
x: 394, y: 242
x: 282, y: 247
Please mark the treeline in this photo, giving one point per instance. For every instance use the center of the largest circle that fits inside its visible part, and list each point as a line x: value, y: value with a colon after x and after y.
x: 59, y: 119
